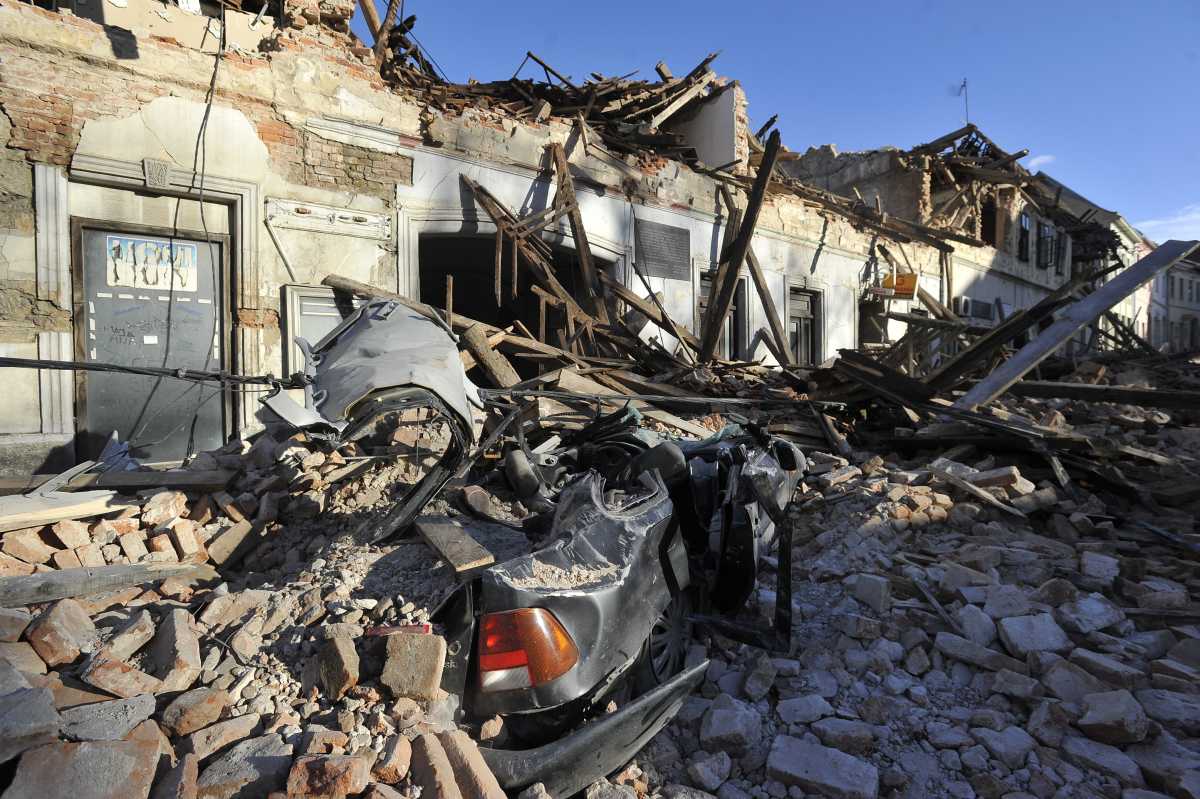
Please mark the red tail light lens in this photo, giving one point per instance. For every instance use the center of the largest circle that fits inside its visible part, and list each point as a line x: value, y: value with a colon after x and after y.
x: 523, y: 648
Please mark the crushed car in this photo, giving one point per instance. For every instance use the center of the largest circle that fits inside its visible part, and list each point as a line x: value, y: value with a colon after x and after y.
x: 639, y: 537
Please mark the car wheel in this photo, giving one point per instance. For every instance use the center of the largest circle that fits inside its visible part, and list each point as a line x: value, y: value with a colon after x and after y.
x: 665, y: 649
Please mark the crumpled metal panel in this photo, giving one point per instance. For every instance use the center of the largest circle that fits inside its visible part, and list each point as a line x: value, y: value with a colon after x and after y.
x: 382, y: 345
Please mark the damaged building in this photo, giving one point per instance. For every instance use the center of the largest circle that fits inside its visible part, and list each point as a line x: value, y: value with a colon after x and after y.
x: 370, y: 434
x: 293, y: 160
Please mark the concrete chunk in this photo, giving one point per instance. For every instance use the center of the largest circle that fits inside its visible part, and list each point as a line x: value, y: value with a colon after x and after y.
x: 337, y: 667
x: 959, y: 648
x: 106, y: 721
x: 119, y: 678
x: 89, y: 770
x: 216, y: 737
x: 131, y: 638
x: 1025, y: 634
x: 13, y: 622
x: 27, y: 719
x: 1113, y: 717
x: 251, y: 768
x: 393, y: 762
x: 818, y: 769
x: 1103, y: 758
x: 176, y: 652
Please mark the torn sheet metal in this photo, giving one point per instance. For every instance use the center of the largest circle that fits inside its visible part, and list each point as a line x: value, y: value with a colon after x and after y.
x: 382, y: 345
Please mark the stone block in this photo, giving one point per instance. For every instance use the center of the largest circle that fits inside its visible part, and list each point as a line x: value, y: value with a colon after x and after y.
x: 431, y: 769
x: 253, y: 767
x: 106, y: 721
x: 472, y: 774
x: 328, y: 776
x: 175, y: 652
x: 818, y: 769
x: 1038, y: 633
x: 28, y: 719
x: 193, y: 710
x: 88, y: 770
x: 414, y: 663
x: 62, y: 633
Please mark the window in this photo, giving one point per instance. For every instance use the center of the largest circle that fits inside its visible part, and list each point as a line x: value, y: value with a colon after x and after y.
x: 732, y: 342
x: 1046, y: 241
x: 988, y: 226
x: 803, y: 326
x: 1061, y: 243
x: 1172, y: 292
x: 1023, y: 237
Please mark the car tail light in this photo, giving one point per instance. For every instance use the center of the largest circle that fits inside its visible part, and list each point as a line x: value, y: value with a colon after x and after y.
x: 522, y: 649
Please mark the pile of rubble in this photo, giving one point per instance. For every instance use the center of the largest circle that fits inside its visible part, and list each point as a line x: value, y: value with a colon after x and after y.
x: 304, y: 667
x: 945, y: 647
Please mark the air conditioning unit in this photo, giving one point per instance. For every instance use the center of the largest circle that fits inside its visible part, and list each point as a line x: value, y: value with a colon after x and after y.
x: 961, y: 306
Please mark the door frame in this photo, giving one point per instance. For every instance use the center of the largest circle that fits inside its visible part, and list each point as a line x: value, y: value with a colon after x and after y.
x: 224, y: 293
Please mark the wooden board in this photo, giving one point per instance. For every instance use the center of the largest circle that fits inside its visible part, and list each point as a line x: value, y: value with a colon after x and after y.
x: 19, y: 512
x: 454, y: 545
x: 49, y: 586
x: 206, y: 481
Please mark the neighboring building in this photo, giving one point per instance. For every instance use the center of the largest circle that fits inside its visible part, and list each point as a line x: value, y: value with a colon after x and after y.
x: 144, y: 224
x: 1182, y: 318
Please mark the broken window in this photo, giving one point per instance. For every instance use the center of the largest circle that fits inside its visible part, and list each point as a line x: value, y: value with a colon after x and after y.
x: 1060, y: 252
x: 988, y: 222
x: 1047, y: 241
x: 732, y: 341
x: 1023, y: 237
x: 803, y: 325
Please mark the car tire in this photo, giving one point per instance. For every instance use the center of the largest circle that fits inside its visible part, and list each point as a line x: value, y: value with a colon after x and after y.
x: 665, y: 649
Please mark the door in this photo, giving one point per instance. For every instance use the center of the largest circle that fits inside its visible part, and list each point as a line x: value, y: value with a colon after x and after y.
x: 803, y: 326
x: 146, y: 297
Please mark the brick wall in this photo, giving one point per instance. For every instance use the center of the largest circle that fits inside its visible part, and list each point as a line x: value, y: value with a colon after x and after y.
x: 49, y: 93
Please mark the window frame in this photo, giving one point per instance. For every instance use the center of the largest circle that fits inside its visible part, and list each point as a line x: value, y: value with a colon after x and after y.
x: 1023, y: 225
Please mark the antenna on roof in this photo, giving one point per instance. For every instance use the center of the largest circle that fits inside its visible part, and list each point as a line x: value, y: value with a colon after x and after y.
x: 962, y: 92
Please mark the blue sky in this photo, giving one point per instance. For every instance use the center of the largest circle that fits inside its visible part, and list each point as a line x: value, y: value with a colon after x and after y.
x: 1105, y: 95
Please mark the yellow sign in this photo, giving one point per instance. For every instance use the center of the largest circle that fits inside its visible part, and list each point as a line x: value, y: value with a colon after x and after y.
x: 904, y: 286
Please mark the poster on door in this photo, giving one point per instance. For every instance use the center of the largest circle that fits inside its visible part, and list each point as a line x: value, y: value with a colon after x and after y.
x: 148, y: 263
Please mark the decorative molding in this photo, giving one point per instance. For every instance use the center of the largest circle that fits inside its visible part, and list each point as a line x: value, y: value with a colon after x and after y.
x: 357, y: 134
x: 292, y: 215
x: 240, y: 194
x: 57, y: 386
x: 53, y: 235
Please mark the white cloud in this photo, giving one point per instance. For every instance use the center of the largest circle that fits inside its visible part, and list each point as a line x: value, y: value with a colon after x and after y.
x: 1039, y: 161
x: 1183, y: 224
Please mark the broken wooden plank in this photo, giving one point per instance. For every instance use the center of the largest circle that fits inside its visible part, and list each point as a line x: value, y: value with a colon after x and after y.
x: 569, y: 380
x: 1073, y: 318
x: 566, y: 192
x: 741, y: 243
x: 647, y: 309
x: 48, y: 586
x: 974, y: 491
x: 37, y: 510
x: 764, y: 295
x: 1124, y: 395
x: 494, y: 365
x: 454, y: 545
x: 204, y: 481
